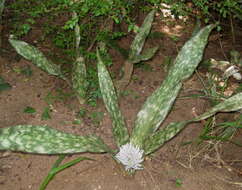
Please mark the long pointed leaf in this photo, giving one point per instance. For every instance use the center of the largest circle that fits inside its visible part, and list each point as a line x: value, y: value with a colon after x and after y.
x: 165, y: 134
x: 79, y: 79
x: 110, y: 99
x: 32, y: 54
x: 148, y: 54
x: 231, y: 104
x: 45, y: 140
x: 157, y: 106
x: 56, y: 169
x: 139, y: 40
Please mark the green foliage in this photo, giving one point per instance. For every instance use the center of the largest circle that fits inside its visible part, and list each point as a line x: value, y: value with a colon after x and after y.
x: 145, y: 138
x: 29, y: 109
x: 139, y: 40
x: 158, y: 105
x: 45, y: 140
x: 4, y: 85
x: 32, y: 54
x: 56, y: 168
x: 136, y: 47
x: 46, y: 114
x: 110, y: 99
x: 79, y: 79
x: 156, y: 140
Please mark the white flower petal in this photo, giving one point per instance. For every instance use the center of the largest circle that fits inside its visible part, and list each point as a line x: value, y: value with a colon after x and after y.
x: 130, y: 156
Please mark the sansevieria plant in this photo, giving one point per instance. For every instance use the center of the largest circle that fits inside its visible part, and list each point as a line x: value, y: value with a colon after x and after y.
x: 146, y: 136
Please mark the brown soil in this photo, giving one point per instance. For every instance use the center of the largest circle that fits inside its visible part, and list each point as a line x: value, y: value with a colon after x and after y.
x: 174, y: 166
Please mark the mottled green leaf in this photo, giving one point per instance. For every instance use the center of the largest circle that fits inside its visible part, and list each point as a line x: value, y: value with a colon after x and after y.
x: 32, y: 54
x: 45, y: 140
x: 231, y: 104
x: 139, y: 40
x: 157, y: 106
x: 153, y: 112
x: 156, y: 140
x: 79, y: 80
x: 189, y: 56
x: 110, y: 99
x: 148, y: 54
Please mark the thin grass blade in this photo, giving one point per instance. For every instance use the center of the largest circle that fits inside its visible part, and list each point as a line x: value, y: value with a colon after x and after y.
x: 158, y: 105
x: 110, y: 99
x: 56, y: 169
x: 50, y: 175
x: 45, y: 140
x: 32, y: 54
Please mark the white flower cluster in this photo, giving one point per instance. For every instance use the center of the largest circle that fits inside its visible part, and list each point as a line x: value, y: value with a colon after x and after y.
x: 130, y: 156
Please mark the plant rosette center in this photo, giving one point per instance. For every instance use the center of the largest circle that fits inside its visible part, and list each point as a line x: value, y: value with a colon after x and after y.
x: 130, y: 156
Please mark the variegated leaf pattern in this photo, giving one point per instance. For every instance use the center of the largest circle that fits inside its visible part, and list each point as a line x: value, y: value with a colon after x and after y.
x: 231, y: 104
x: 139, y: 40
x: 157, y: 106
x: 79, y: 80
x: 32, y: 54
x: 156, y: 140
x: 159, y: 138
x: 110, y: 99
x: 148, y: 54
x: 45, y: 140
x: 189, y: 56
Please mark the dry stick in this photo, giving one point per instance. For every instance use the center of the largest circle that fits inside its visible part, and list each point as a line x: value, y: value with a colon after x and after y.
x: 222, y: 50
x: 232, y: 29
x: 128, y: 70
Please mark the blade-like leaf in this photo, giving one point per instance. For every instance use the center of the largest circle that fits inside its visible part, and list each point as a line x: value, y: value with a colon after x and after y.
x: 148, y: 54
x: 56, y: 169
x: 32, y: 54
x: 110, y: 99
x: 165, y: 134
x: 157, y: 106
x: 189, y: 56
x: 138, y: 42
x: 79, y: 80
x: 231, y: 104
x: 45, y: 140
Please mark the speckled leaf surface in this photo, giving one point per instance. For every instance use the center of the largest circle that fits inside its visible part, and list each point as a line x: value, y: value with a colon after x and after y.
x: 189, y: 56
x: 32, y: 54
x: 156, y: 140
x: 45, y: 140
x: 158, y: 105
x: 231, y: 104
x: 139, y: 40
x: 79, y: 82
x: 148, y: 54
x: 110, y: 99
